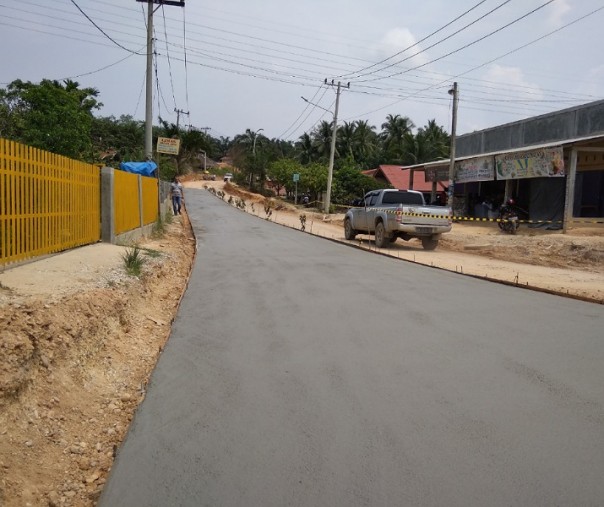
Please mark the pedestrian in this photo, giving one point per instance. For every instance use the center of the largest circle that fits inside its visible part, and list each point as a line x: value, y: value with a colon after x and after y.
x: 176, y: 193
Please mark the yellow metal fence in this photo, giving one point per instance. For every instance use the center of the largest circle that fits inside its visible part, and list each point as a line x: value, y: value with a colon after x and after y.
x: 48, y: 203
x: 126, y: 198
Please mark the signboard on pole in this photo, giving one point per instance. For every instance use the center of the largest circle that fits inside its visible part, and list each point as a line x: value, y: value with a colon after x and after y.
x: 543, y: 163
x: 168, y: 145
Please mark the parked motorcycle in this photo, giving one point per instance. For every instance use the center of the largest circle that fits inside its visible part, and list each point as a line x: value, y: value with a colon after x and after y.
x: 509, y: 216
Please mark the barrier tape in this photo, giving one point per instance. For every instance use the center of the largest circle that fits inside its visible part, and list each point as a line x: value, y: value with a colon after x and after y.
x: 456, y: 218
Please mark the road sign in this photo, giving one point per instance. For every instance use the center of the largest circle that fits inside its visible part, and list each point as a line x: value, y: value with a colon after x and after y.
x: 296, y: 177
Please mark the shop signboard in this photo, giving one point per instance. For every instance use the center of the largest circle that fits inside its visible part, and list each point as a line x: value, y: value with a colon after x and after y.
x: 436, y: 173
x: 542, y: 163
x: 475, y: 169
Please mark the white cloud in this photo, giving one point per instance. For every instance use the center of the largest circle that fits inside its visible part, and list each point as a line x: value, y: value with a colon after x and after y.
x: 512, y: 83
x: 558, y: 12
x: 399, y: 39
x: 591, y: 84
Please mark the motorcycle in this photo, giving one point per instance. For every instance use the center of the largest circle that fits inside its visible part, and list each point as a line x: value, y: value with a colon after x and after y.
x: 509, y: 216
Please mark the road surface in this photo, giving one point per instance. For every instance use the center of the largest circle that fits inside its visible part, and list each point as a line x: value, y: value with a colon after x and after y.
x: 304, y: 372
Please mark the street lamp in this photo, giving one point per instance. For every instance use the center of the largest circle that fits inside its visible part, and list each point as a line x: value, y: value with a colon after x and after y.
x: 204, y: 160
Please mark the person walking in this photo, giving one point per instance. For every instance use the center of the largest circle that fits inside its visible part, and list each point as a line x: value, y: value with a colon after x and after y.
x: 176, y: 193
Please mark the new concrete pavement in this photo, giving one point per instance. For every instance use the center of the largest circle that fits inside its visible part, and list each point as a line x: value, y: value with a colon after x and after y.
x: 307, y: 373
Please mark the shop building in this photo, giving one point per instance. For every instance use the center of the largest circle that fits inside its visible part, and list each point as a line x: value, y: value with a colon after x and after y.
x: 552, y: 165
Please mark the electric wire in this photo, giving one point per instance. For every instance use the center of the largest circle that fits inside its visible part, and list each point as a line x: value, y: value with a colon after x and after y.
x: 420, y: 70
x: 534, y: 41
x: 480, y: 39
x: 168, y: 57
x: 101, y: 30
x: 184, y: 41
x: 418, y: 42
x: 308, y: 104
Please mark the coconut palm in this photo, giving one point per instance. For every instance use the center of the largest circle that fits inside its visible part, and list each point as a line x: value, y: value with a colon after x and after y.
x: 394, y: 130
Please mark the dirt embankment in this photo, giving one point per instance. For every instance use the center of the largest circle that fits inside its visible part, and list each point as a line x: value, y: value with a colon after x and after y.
x: 73, y: 369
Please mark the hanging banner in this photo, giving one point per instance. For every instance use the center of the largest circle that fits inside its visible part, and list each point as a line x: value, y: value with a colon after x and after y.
x: 543, y: 163
x: 436, y: 174
x: 475, y: 169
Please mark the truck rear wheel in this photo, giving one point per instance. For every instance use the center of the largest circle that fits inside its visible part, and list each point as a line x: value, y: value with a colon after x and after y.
x: 349, y: 232
x: 429, y: 243
x: 380, y: 235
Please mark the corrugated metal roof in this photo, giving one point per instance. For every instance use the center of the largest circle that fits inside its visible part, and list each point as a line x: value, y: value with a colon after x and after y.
x: 554, y: 144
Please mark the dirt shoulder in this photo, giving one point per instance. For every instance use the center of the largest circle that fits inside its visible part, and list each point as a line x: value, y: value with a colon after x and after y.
x: 79, y: 340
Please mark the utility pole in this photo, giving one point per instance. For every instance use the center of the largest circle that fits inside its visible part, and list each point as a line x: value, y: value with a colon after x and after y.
x: 149, y: 83
x: 178, y: 113
x: 455, y: 92
x: 332, y: 152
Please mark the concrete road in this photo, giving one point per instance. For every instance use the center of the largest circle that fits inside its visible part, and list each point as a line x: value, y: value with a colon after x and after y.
x: 302, y: 372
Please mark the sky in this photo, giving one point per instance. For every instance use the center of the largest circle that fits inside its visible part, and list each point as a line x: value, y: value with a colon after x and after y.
x: 232, y: 65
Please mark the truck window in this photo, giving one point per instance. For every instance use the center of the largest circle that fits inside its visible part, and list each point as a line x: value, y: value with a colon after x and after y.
x: 373, y: 199
x: 402, y: 197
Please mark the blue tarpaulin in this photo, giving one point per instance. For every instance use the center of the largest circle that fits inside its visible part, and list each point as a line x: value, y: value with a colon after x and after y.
x: 144, y: 168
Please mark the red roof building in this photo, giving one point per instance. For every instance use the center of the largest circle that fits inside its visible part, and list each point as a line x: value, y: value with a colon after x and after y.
x: 402, y: 178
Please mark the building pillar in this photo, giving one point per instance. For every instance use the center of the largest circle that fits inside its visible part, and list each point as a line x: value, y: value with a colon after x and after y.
x: 569, y: 201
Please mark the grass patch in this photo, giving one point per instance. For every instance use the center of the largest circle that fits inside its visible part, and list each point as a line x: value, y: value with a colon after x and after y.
x: 133, y: 261
x: 150, y: 252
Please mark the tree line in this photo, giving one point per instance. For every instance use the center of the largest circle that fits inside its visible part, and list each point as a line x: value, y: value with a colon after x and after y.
x: 62, y: 117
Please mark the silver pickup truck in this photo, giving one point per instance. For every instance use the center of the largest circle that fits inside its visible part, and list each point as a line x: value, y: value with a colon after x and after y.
x: 390, y: 214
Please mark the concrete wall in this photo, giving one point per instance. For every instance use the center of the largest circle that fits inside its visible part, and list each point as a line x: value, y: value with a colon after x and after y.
x: 579, y: 121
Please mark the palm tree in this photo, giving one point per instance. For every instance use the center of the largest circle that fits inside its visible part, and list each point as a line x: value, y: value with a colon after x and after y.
x: 437, y: 139
x: 322, y: 139
x: 394, y: 130
x: 365, y: 142
x: 346, y: 139
x: 305, y: 149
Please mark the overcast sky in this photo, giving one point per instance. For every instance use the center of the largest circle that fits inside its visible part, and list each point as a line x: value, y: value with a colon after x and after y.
x: 248, y: 63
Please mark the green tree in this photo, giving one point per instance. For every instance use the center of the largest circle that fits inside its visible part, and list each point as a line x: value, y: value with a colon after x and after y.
x: 50, y: 115
x: 349, y: 183
x: 281, y: 172
x: 313, y: 179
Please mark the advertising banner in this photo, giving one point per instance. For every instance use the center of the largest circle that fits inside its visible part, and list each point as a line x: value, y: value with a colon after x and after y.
x: 543, y: 163
x: 436, y: 174
x: 168, y: 146
x: 475, y: 169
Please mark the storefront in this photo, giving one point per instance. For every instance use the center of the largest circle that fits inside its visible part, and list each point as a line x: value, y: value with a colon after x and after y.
x: 534, y: 177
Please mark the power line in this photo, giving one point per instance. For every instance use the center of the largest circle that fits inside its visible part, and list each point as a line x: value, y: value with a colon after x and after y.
x: 168, y: 56
x: 303, y: 111
x: 184, y: 41
x: 418, y: 42
x: 102, y: 31
x: 480, y: 39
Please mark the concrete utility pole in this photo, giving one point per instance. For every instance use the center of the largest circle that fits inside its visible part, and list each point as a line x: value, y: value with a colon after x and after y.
x: 455, y: 92
x: 178, y: 113
x: 149, y: 83
x: 332, y: 152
